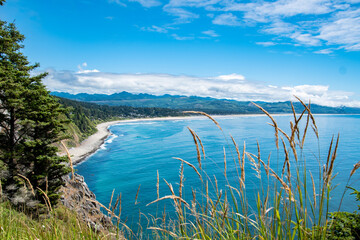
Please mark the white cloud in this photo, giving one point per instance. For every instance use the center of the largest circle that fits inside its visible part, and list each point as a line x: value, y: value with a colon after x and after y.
x: 154, y: 28
x: 344, y: 30
x: 331, y: 23
x: 117, y: 2
x: 325, y: 51
x: 182, y: 15
x: 192, y: 3
x: 144, y: 3
x: 211, y: 33
x: 279, y: 27
x: 181, y: 38
x: 233, y: 86
x: 226, y: 19
x: 266, y: 44
x: 147, y: 3
x: 233, y: 76
x: 306, y: 39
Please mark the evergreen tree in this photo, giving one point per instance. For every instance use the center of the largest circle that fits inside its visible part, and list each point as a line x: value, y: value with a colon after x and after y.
x: 29, y: 125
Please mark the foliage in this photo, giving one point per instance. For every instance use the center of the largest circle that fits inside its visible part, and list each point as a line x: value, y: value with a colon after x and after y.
x: 30, y: 124
x: 60, y: 224
x: 84, y: 115
x: 345, y: 225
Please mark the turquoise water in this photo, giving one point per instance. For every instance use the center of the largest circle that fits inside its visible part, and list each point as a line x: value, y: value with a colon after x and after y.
x: 136, y: 151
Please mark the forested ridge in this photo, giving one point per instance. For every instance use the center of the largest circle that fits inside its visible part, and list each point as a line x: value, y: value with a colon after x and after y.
x: 86, y: 115
x: 205, y: 104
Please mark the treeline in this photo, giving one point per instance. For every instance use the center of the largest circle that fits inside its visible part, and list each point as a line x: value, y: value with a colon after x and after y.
x: 86, y: 115
x: 208, y: 105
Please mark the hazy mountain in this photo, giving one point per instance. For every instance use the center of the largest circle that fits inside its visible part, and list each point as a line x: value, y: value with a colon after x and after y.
x: 209, y: 105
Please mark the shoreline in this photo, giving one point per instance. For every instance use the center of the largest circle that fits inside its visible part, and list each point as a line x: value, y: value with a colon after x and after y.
x: 91, y: 144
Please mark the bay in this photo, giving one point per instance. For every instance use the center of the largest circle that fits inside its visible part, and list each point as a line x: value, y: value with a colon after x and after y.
x: 136, y: 151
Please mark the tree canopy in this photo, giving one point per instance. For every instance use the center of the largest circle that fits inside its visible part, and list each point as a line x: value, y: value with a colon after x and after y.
x: 29, y: 125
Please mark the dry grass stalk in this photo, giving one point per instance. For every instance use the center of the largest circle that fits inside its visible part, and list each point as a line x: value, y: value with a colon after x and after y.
x: 242, y: 166
x: 118, y: 199
x: 285, y: 186
x: 120, y: 208
x: 193, y: 195
x: 305, y: 131
x: 103, y: 206
x: 331, y: 167
x: 311, y: 116
x: 356, y: 167
x: 164, y: 230
x: 268, y: 164
x: 216, y: 203
x: 70, y: 161
x: 216, y: 184
x: 170, y: 187
x: 239, y: 158
x: 329, y: 154
x: 256, y: 165
x: 190, y: 165
x: 29, y: 183
x: 197, y: 146
x: 173, y: 197
x: 274, y: 122
x: 47, y: 200
x: 286, y: 162
x: 295, y: 129
x: 293, y: 110
x: 265, y: 166
x: 314, y: 189
x: 207, y: 115
x: 137, y: 194
x: 112, y: 195
x: 202, y: 146
x: 181, y: 183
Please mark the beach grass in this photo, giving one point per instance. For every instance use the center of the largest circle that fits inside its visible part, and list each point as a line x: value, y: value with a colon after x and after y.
x: 290, y: 202
x: 59, y: 224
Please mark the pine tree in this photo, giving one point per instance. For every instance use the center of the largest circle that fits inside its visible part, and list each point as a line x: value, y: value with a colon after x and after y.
x: 30, y: 123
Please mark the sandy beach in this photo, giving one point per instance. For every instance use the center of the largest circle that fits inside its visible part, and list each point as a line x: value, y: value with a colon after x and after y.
x: 93, y: 142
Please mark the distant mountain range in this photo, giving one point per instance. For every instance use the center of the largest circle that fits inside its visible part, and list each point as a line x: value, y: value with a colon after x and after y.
x: 205, y: 104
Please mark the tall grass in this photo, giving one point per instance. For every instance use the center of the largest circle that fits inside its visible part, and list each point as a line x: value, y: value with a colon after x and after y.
x: 59, y: 224
x: 291, y: 201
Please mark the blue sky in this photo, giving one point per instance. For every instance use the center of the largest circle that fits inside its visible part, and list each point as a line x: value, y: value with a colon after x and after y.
x: 243, y: 50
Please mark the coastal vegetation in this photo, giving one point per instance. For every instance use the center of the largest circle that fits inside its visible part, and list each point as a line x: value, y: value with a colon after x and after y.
x: 84, y: 115
x: 32, y: 174
x: 290, y: 203
x: 30, y: 124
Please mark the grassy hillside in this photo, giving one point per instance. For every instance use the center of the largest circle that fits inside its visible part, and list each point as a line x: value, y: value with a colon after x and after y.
x: 59, y: 224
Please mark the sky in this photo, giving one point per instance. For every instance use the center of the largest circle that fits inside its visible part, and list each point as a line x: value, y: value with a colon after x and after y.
x: 267, y: 50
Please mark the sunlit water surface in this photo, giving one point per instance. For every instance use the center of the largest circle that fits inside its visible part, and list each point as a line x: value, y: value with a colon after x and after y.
x: 136, y: 151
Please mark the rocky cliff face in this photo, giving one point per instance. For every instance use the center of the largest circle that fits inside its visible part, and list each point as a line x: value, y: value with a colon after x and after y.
x: 78, y: 197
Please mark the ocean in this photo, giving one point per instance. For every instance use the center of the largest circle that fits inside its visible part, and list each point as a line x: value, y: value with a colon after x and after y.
x: 130, y: 159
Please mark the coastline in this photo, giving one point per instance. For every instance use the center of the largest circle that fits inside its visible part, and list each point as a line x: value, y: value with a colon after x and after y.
x: 94, y: 142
